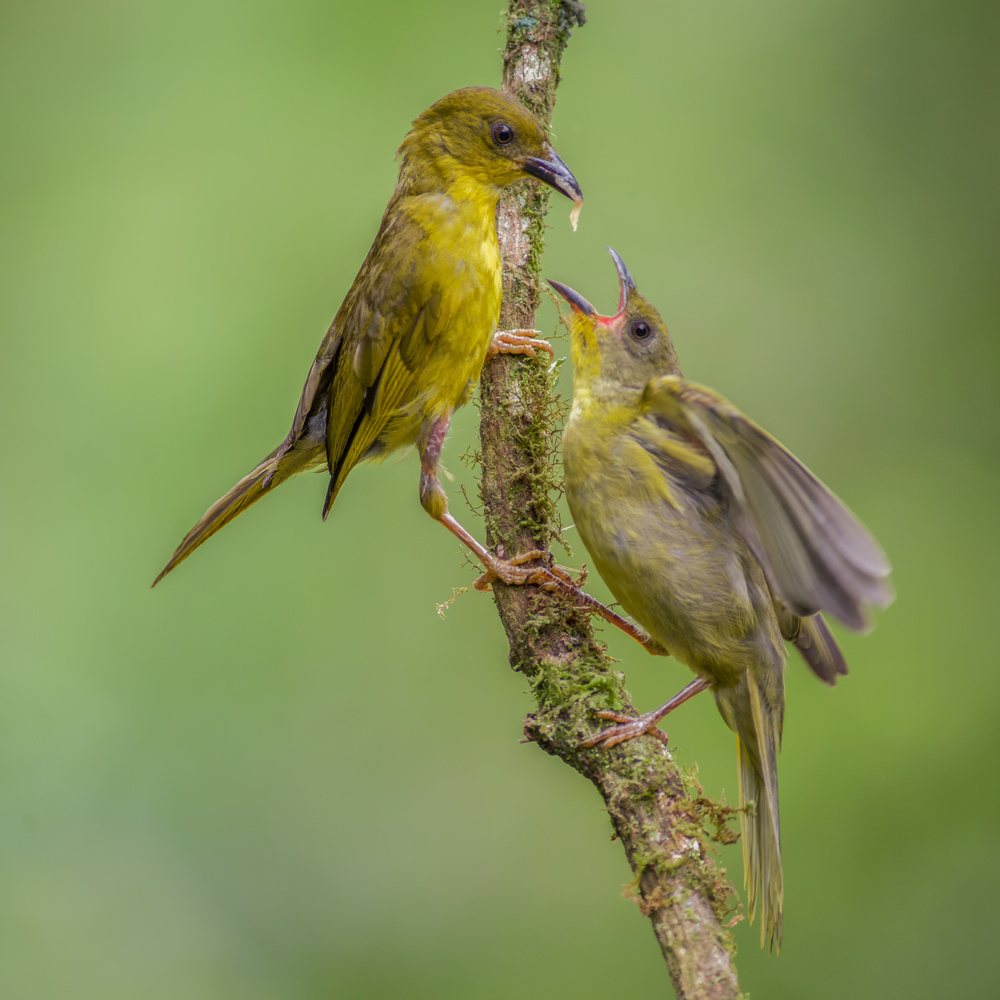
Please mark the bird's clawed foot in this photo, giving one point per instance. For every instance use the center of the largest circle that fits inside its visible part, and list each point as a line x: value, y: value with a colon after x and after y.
x: 627, y: 729
x: 515, y: 573
x: 518, y: 342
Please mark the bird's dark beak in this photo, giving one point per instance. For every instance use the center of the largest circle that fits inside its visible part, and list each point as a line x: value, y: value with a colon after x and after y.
x: 625, y: 282
x: 553, y: 172
x: 575, y: 299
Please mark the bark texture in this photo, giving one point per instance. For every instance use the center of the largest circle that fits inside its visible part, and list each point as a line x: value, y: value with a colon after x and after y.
x: 659, y: 816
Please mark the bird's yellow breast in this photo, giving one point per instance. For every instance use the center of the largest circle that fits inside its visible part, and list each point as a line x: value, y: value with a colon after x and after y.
x: 459, y: 272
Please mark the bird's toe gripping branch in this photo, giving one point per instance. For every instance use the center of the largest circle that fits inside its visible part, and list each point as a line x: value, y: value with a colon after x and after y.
x: 518, y: 342
x: 514, y: 572
x: 628, y: 727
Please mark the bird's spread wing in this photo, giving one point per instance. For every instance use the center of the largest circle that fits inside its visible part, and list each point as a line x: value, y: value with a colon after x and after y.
x: 816, y: 554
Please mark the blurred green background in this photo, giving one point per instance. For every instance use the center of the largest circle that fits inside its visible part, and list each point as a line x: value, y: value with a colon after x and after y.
x: 281, y: 774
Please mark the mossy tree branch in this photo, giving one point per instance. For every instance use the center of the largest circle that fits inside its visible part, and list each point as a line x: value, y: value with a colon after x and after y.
x: 658, y: 815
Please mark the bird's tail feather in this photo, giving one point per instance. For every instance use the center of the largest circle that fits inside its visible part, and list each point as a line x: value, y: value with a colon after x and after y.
x: 273, y: 471
x: 819, y: 649
x: 761, y: 831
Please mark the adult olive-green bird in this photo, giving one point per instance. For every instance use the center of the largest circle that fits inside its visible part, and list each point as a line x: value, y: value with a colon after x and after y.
x: 407, y: 345
x: 716, y: 540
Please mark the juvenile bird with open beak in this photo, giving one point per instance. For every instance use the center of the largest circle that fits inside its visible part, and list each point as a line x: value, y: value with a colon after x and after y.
x: 716, y: 540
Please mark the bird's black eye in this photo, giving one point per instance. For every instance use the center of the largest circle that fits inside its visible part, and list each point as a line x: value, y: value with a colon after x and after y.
x: 640, y: 329
x: 502, y: 134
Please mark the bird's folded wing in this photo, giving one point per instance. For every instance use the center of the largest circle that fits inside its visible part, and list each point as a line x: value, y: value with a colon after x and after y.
x: 383, y: 301
x: 386, y: 370
x: 816, y: 554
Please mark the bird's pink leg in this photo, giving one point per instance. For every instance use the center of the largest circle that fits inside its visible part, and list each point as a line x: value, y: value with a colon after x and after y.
x: 566, y: 588
x: 435, y: 502
x: 628, y: 727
